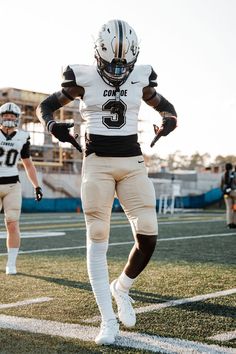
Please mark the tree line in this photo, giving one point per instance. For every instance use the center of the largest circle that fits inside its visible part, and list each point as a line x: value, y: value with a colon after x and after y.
x: 196, y: 161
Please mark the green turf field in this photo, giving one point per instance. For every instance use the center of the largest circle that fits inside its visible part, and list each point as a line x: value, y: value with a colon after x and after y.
x: 184, y: 298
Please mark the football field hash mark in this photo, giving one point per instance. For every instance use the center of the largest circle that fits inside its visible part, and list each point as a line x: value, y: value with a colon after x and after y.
x: 223, y: 337
x: 25, y: 302
x: 35, y: 234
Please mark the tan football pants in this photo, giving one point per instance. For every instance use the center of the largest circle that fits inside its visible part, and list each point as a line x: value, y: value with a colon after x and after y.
x: 125, y: 177
x: 11, y: 200
x: 230, y: 203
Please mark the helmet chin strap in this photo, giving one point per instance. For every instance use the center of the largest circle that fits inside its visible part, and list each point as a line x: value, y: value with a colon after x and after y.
x: 117, y: 94
x: 116, y: 106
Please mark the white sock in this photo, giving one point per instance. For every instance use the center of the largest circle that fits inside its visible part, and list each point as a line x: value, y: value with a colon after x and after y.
x: 124, y: 283
x: 12, y: 255
x: 99, y: 278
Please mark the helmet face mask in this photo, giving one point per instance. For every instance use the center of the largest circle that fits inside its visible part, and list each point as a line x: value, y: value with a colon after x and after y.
x: 116, y: 51
x: 114, y: 73
x: 13, y: 109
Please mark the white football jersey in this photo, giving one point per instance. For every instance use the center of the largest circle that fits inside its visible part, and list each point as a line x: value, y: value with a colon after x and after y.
x: 10, y: 152
x: 99, y: 98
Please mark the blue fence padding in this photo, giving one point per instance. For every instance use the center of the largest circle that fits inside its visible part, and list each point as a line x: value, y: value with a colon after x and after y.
x: 29, y: 205
x: 213, y: 196
x: 116, y: 205
x: 197, y: 201
x: 201, y: 201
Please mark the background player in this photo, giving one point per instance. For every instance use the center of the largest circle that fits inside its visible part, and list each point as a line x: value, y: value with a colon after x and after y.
x: 14, y: 144
x: 228, y: 187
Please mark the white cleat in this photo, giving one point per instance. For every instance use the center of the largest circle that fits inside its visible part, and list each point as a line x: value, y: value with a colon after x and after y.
x: 124, y: 302
x: 11, y: 270
x: 108, y: 332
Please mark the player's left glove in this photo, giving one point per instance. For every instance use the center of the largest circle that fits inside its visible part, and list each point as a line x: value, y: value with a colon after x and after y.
x: 168, y: 124
x: 61, y: 132
x: 38, y: 193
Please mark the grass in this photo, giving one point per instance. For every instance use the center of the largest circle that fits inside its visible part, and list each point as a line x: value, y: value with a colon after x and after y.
x: 180, y: 268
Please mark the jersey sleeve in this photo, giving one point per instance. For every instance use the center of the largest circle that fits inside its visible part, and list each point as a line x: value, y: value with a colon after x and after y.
x: 68, y: 78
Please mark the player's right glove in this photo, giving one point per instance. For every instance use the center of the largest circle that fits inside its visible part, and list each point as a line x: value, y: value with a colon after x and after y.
x: 158, y: 132
x: 61, y: 132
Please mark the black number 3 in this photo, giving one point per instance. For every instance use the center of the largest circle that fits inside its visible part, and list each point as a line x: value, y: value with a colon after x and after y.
x: 117, y: 119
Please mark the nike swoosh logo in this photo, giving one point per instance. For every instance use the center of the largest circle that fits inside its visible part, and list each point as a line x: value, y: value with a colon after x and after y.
x: 140, y: 161
x: 134, y: 82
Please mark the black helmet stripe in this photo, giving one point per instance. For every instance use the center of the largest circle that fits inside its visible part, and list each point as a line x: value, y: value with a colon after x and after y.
x: 117, y: 39
x: 120, y: 29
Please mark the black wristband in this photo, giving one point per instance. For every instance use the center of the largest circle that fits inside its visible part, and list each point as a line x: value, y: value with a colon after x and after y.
x: 50, y: 125
x: 67, y: 95
x: 151, y: 97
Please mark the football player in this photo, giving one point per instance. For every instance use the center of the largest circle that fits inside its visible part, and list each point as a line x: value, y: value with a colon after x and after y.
x: 228, y: 187
x: 14, y: 144
x: 111, y: 92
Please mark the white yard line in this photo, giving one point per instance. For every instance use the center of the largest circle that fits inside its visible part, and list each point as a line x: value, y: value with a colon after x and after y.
x: 119, y: 226
x: 187, y: 300
x: 180, y: 238
x: 223, y: 337
x: 172, y: 303
x: 35, y: 234
x: 155, y: 344
x: 81, y: 225
x: 48, y: 250
x: 25, y: 302
x: 197, y: 236
x: 38, y: 221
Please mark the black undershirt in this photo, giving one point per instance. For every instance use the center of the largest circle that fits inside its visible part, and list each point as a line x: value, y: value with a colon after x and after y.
x: 112, y: 146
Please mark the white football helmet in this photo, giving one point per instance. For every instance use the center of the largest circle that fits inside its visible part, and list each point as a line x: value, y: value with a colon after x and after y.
x: 10, y: 107
x: 116, y: 51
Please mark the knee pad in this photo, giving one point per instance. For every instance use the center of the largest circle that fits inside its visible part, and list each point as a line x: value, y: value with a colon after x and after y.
x: 145, y: 223
x: 12, y: 215
x: 97, y: 229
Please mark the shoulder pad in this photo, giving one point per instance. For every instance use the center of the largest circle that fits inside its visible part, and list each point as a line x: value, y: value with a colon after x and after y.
x: 68, y: 77
x: 153, y: 79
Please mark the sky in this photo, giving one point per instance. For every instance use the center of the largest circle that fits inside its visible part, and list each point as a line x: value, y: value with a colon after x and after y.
x: 189, y: 43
